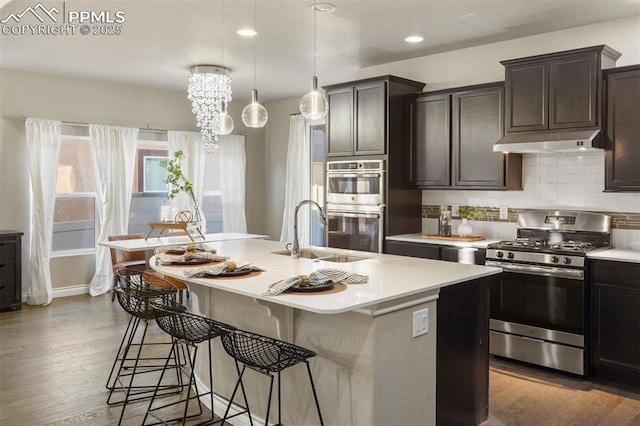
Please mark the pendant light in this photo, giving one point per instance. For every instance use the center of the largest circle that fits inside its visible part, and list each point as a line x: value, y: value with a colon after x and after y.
x: 254, y: 115
x: 314, y: 105
x: 225, y: 121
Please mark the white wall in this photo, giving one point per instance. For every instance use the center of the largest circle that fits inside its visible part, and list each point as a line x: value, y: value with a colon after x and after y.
x: 550, y: 181
x: 27, y: 94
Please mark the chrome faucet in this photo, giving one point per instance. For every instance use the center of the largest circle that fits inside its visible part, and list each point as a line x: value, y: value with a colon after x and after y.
x: 295, y: 250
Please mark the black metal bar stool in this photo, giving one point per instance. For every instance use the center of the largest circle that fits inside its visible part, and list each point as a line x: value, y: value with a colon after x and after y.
x: 187, y: 329
x: 265, y: 355
x: 137, y: 291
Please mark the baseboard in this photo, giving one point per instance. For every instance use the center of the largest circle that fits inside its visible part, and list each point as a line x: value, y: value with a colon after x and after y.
x: 220, y: 406
x: 72, y: 290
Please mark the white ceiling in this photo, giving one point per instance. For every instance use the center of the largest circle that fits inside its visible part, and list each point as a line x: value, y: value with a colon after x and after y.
x: 162, y: 39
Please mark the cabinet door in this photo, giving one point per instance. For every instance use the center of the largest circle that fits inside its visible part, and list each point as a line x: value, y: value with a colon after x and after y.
x: 430, y: 141
x: 622, y: 155
x: 370, y: 112
x: 573, y: 85
x: 477, y: 124
x: 340, y: 122
x: 527, y: 96
x: 616, y: 328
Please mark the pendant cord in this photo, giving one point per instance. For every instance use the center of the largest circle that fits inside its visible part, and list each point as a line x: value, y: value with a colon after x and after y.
x: 314, y: 36
x: 255, y: 26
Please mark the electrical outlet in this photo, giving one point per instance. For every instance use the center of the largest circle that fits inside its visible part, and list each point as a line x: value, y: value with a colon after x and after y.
x: 504, y: 212
x: 420, y: 322
x: 454, y: 210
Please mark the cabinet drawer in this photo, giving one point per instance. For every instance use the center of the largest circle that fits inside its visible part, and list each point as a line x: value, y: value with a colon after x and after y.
x: 7, y: 273
x: 620, y: 273
x: 7, y: 252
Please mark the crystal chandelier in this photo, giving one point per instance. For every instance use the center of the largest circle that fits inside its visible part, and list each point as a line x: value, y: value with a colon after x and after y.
x: 209, y: 92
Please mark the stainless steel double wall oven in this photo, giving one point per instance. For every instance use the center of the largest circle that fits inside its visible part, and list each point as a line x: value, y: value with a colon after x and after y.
x: 355, y: 204
x: 538, y: 306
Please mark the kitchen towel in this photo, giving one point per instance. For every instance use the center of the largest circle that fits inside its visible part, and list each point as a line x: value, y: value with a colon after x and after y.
x: 208, y: 271
x: 162, y: 259
x: 321, y: 274
x: 183, y: 248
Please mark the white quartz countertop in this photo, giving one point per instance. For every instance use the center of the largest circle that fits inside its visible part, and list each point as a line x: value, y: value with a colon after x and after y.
x: 620, y: 255
x: 140, y: 244
x: 419, y: 238
x: 390, y: 277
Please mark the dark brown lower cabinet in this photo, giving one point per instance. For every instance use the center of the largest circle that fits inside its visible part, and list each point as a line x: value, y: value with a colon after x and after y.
x: 615, y: 321
x: 462, y: 354
x: 10, y: 271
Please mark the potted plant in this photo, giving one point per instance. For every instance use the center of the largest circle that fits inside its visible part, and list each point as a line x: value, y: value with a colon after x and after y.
x: 466, y: 213
x: 178, y: 182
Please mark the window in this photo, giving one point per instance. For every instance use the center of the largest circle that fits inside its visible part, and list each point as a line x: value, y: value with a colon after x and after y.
x: 75, y: 226
x: 74, y: 221
x: 316, y: 135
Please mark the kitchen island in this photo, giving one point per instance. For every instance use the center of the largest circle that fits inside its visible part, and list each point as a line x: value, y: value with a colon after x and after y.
x: 370, y: 370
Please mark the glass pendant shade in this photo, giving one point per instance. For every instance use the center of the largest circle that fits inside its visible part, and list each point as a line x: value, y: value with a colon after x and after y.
x: 314, y: 105
x: 254, y: 115
x: 225, y: 123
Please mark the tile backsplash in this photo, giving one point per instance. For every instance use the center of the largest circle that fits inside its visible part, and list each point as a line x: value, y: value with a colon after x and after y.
x: 551, y: 181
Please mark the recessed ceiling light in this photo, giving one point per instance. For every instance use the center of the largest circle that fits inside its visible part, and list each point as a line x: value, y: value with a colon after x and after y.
x: 324, y: 7
x: 247, y: 32
x: 413, y: 39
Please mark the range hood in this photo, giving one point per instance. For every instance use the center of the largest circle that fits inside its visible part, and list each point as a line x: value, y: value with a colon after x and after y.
x: 550, y: 141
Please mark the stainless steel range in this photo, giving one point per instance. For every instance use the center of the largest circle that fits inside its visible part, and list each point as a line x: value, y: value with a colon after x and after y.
x: 537, y: 308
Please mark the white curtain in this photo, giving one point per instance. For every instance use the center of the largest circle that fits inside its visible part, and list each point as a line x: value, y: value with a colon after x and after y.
x: 113, y: 151
x: 233, y: 161
x: 43, y: 143
x: 193, y: 165
x: 298, y: 180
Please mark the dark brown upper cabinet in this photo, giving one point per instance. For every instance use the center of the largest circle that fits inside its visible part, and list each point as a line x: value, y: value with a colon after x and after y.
x: 556, y: 91
x: 360, y: 115
x: 622, y: 124
x: 452, y: 137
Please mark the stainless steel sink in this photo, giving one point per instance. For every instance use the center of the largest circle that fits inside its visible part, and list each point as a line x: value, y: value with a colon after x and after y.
x: 326, y: 256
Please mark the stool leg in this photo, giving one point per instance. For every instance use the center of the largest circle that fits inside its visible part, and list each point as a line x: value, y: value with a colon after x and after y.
x: 279, y: 401
x: 155, y: 392
x: 133, y: 374
x: 233, y: 394
x: 315, y: 396
x: 266, y: 420
x: 109, y: 385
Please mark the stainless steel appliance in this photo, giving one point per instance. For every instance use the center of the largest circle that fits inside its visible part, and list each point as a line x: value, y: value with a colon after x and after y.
x: 355, y: 204
x: 355, y: 227
x: 355, y: 182
x: 538, y: 305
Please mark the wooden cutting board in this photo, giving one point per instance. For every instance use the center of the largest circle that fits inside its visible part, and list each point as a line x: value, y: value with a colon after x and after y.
x: 454, y: 237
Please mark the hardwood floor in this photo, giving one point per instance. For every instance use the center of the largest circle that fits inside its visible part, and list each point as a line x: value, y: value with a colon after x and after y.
x: 54, y: 361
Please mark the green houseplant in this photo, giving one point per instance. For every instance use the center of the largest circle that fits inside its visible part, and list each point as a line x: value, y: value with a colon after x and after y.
x: 466, y: 213
x: 178, y: 182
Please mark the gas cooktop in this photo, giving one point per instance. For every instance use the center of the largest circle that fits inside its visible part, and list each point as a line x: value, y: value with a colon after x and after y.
x: 544, y: 246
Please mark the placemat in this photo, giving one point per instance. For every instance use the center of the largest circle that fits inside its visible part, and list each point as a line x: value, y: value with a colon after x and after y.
x: 337, y: 288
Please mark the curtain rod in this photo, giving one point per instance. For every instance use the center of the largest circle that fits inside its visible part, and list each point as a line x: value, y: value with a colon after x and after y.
x: 78, y: 124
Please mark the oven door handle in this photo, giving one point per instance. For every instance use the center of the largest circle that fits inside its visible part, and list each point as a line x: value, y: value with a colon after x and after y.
x: 547, y: 271
x: 365, y: 215
x: 353, y: 175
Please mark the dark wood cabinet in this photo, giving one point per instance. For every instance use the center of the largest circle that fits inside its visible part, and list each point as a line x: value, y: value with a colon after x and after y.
x: 449, y: 253
x: 622, y: 125
x: 358, y: 121
x: 452, y: 138
x: 559, y: 90
x: 10, y: 270
x: 430, y: 135
x: 340, y: 122
x: 615, y: 320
